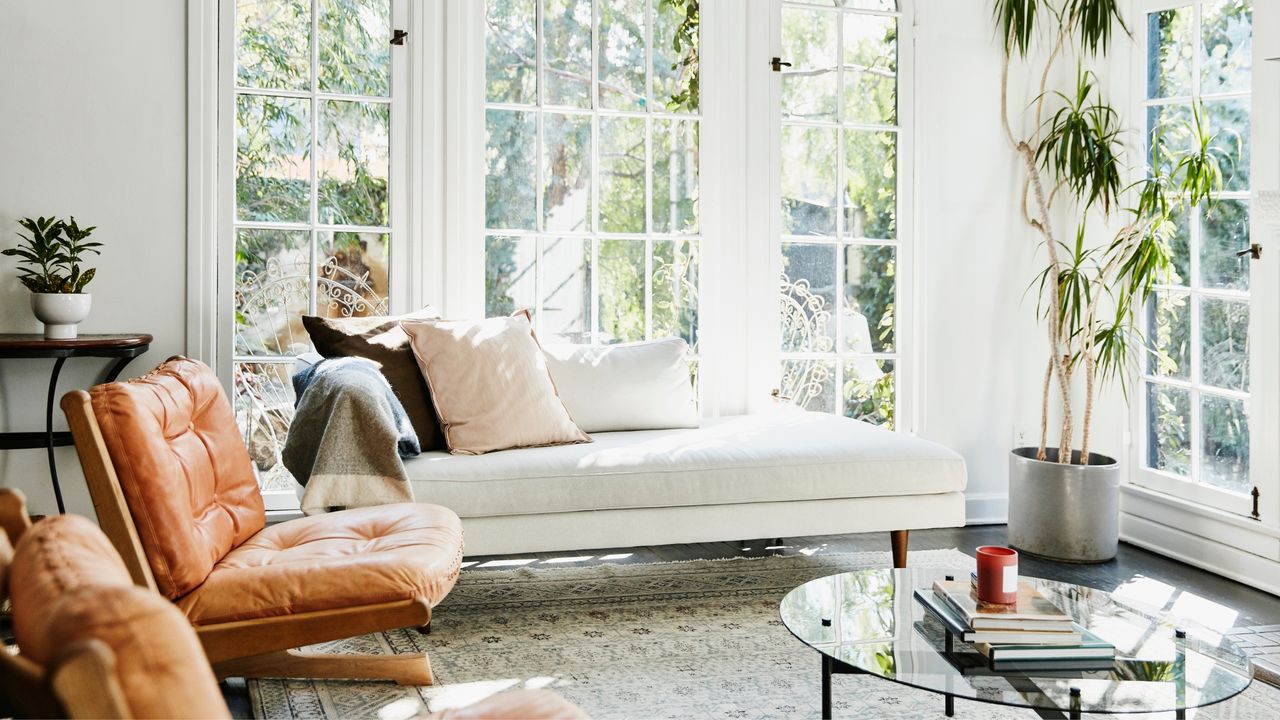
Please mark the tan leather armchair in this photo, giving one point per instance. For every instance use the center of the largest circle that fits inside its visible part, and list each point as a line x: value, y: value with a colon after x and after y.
x: 174, y: 490
x: 94, y: 645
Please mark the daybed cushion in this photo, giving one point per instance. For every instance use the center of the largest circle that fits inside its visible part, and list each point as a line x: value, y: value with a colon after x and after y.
x: 744, y: 459
x: 629, y: 386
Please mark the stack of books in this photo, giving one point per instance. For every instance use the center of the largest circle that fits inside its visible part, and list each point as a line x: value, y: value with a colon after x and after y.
x: 1029, y: 634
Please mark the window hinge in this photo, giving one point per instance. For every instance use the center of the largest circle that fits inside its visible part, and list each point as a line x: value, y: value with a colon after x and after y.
x: 1255, y: 494
x: 778, y: 64
x: 399, y: 36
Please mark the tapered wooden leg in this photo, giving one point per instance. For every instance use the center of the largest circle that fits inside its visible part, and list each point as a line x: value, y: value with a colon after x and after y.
x: 405, y: 669
x: 898, y: 538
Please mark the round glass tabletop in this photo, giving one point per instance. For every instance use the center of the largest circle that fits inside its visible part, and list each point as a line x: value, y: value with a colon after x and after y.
x: 870, y: 622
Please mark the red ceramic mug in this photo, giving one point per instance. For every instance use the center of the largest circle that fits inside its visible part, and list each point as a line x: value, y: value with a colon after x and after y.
x: 997, y: 574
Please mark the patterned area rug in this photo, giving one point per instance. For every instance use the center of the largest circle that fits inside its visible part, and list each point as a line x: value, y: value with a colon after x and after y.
x: 699, y: 639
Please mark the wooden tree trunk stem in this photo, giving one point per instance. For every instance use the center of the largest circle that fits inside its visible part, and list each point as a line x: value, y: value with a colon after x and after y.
x: 1057, y: 358
x: 1041, y: 455
x: 1089, y: 370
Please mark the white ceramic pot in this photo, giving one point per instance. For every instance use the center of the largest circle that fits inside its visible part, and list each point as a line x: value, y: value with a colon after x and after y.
x: 60, y: 312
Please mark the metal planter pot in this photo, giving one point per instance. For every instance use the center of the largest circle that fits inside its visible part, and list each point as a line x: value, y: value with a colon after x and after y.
x: 1070, y: 512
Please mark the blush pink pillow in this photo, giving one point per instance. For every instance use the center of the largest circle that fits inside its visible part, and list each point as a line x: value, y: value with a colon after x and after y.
x: 489, y: 384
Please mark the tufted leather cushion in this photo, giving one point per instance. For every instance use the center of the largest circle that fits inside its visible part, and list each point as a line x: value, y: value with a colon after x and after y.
x: 54, y: 557
x: 342, y: 559
x: 69, y: 585
x: 516, y: 705
x: 183, y: 468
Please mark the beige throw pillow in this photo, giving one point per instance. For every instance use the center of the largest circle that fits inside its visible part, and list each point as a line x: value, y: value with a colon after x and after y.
x: 489, y: 384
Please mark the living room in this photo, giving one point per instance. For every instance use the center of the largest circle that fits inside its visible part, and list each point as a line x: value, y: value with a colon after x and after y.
x: 639, y: 358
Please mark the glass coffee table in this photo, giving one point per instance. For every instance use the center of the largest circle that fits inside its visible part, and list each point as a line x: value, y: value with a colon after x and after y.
x: 867, y: 622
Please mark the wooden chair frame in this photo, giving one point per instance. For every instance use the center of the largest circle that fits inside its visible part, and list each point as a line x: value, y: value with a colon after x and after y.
x: 263, y: 647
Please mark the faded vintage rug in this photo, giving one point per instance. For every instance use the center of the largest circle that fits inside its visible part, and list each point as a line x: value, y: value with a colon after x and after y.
x: 698, y: 639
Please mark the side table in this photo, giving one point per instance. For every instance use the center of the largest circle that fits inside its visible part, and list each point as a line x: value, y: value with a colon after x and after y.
x: 123, y: 348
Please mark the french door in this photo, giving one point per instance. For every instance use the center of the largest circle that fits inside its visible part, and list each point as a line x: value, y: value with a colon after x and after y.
x: 311, y: 173
x: 1198, y: 429
x: 845, y: 235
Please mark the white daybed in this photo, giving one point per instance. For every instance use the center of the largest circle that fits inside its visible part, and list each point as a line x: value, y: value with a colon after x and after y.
x: 781, y: 474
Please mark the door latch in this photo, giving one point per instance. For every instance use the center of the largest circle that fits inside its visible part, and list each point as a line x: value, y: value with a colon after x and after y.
x: 1254, y: 252
x: 778, y: 64
x: 399, y: 36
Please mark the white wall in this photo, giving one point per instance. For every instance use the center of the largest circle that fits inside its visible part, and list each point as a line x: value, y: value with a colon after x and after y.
x: 982, y: 350
x: 92, y: 123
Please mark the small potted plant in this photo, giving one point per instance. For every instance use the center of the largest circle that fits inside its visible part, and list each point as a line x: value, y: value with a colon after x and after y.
x: 49, y: 266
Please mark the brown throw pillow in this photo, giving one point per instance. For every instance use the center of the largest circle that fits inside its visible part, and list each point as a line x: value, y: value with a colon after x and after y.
x: 381, y: 340
x: 489, y: 384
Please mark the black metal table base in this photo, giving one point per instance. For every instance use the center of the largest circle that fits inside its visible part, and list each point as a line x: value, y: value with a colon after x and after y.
x: 831, y: 666
x: 50, y: 439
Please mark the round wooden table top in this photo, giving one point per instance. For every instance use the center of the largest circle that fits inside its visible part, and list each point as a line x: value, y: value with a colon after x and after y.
x: 35, y: 341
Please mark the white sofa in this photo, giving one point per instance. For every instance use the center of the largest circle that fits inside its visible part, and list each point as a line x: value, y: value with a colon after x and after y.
x: 782, y: 474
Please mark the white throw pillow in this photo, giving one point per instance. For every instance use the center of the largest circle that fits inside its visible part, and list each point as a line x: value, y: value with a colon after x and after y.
x: 634, y: 386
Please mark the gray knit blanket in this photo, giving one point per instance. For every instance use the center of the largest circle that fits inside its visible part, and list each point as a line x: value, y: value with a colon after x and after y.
x: 348, y: 437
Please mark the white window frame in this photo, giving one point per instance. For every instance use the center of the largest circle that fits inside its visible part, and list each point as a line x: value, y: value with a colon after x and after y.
x: 439, y: 204
x: 215, y: 341
x: 906, y: 365
x: 594, y: 235
x: 1263, y: 337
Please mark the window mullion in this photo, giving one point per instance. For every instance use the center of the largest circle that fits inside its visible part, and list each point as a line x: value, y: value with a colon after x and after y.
x: 312, y: 302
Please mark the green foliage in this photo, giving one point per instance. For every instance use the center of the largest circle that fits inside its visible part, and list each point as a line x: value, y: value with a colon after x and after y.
x: 1082, y: 144
x: 1093, y: 21
x: 1017, y: 22
x: 684, y: 44
x: 49, y: 256
x: 1089, y: 22
x: 1092, y: 297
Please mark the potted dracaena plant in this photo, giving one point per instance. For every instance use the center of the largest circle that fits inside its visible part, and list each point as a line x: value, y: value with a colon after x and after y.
x: 1074, y: 155
x: 49, y: 265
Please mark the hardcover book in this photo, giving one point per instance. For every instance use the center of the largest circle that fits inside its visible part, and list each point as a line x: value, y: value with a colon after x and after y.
x: 1031, y: 607
x: 1029, y: 635
x: 1091, y: 647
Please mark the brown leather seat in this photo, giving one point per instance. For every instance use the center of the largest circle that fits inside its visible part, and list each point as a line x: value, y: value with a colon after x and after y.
x: 107, y: 647
x: 355, y: 557
x: 92, y: 644
x: 174, y: 487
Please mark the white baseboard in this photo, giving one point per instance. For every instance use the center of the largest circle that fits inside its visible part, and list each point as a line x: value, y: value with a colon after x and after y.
x: 986, y: 508
x: 1245, y: 567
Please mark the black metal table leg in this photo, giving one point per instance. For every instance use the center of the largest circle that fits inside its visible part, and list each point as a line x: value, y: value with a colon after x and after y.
x: 116, y: 367
x: 826, y: 687
x: 950, y: 705
x: 48, y: 432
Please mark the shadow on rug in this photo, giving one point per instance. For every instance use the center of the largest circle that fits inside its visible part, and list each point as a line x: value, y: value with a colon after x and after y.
x: 698, y: 639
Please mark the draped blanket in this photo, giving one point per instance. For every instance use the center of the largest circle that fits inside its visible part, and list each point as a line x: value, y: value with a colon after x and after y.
x: 348, y: 437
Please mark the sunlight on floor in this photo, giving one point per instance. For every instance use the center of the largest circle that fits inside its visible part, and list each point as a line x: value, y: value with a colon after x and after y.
x: 1180, y: 605
x: 514, y: 562
x: 462, y: 694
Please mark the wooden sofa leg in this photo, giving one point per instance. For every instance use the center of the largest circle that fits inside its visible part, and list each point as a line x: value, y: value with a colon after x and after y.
x: 898, y: 538
x: 404, y: 669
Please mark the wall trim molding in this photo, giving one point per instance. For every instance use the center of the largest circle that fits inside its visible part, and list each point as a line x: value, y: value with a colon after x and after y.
x: 202, y: 180
x: 1244, y: 567
x: 986, y: 508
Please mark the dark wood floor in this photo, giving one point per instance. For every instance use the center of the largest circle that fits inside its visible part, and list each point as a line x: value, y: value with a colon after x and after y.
x: 1245, y: 606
